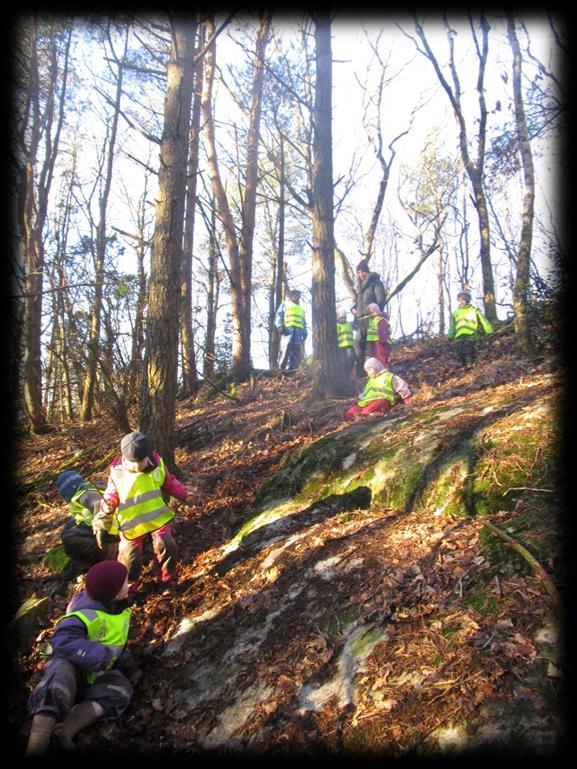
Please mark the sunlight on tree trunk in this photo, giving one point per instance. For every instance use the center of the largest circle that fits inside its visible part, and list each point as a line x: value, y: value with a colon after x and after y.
x: 190, y: 381
x: 521, y: 289
x: 241, y: 362
x: 159, y: 391
x: 326, y: 373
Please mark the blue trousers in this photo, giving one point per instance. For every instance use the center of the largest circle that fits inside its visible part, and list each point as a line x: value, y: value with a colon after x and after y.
x: 63, y: 685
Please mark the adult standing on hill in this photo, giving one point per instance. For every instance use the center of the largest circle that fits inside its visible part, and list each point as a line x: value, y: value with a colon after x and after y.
x: 369, y: 290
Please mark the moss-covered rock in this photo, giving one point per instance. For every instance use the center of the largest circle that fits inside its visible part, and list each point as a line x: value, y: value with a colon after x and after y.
x: 473, y: 458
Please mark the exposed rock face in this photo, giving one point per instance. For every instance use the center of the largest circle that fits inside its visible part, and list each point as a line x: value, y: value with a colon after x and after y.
x: 374, y: 525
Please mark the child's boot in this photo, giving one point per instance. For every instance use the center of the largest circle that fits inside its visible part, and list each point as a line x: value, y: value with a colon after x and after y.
x: 79, y: 717
x: 40, y: 734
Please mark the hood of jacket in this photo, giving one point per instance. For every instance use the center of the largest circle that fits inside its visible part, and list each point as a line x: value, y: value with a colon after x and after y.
x: 372, y: 277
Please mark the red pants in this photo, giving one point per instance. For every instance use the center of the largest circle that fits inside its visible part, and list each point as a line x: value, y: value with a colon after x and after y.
x: 380, y: 406
x: 164, y: 546
x: 379, y: 351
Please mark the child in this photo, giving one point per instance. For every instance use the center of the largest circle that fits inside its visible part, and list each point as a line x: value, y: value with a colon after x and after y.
x: 345, y: 341
x: 464, y: 328
x: 369, y: 289
x: 291, y: 324
x: 82, y: 681
x: 77, y: 535
x: 382, y: 390
x: 378, y: 344
x: 138, y: 487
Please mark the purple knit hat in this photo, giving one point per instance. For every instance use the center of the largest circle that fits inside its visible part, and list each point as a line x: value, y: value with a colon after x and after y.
x: 104, y: 580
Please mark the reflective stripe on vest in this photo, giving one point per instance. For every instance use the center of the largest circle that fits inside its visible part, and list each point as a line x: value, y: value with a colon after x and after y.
x: 142, y: 508
x: 377, y: 388
x: 345, y: 336
x: 78, y: 511
x: 466, y: 321
x: 294, y: 315
x: 373, y: 328
x: 111, y: 630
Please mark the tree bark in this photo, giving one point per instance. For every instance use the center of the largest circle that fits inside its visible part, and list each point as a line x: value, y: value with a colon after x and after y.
x: 239, y: 248
x: 39, y: 126
x: 158, y: 404
x: 211, y: 300
x: 241, y: 361
x: 221, y: 201
x: 521, y: 288
x: 278, y: 277
x: 190, y: 381
x: 327, y: 378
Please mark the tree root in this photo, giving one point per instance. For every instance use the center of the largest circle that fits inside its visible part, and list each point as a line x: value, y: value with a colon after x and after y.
x: 533, y: 562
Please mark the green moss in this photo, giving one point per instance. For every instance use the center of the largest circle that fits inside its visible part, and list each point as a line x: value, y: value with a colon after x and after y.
x: 365, y: 641
x: 497, y: 552
x: 402, y: 490
x: 56, y: 559
x: 339, y: 623
x: 449, y: 631
x: 310, y: 471
x: 421, y: 461
x: 260, y: 520
x: 448, y: 492
x: 485, y: 604
x: 505, y: 467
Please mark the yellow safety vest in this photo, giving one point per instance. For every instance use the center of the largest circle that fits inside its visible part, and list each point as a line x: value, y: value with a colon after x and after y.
x: 345, y: 336
x: 465, y: 322
x: 373, y: 328
x: 377, y: 388
x: 78, y: 511
x: 110, y: 630
x: 294, y: 315
x: 142, y: 508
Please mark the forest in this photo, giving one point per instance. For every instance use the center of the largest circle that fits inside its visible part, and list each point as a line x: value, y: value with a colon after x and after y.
x: 173, y: 178
x: 166, y: 194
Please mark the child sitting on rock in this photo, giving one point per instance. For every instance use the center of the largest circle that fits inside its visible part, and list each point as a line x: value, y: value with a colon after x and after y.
x: 382, y: 390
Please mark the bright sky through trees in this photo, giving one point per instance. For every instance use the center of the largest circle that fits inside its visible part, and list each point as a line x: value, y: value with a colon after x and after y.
x: 413, y: 103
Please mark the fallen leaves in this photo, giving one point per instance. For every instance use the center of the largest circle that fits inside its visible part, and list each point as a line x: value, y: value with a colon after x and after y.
x: 457, y: 635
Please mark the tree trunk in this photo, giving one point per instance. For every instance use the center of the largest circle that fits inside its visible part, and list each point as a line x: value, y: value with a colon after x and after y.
x: 189, y: 374
x: 138, y: 342
x: 241, y: 361
x: 521, y: 288
x: 211, y: 300
x: 39, y: 124
x: 221, y: 200
x: 327, y: 378
x: 240, y: 253
x: 474, y: 169
x: 94, y: 340
x: 158, y: 405
x: 278, y: 277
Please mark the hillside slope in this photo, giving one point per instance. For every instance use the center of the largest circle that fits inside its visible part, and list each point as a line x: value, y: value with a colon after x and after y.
x: 350, y: 626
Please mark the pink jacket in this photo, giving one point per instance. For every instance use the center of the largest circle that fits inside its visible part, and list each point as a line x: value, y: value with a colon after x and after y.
x: 172, y: 486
